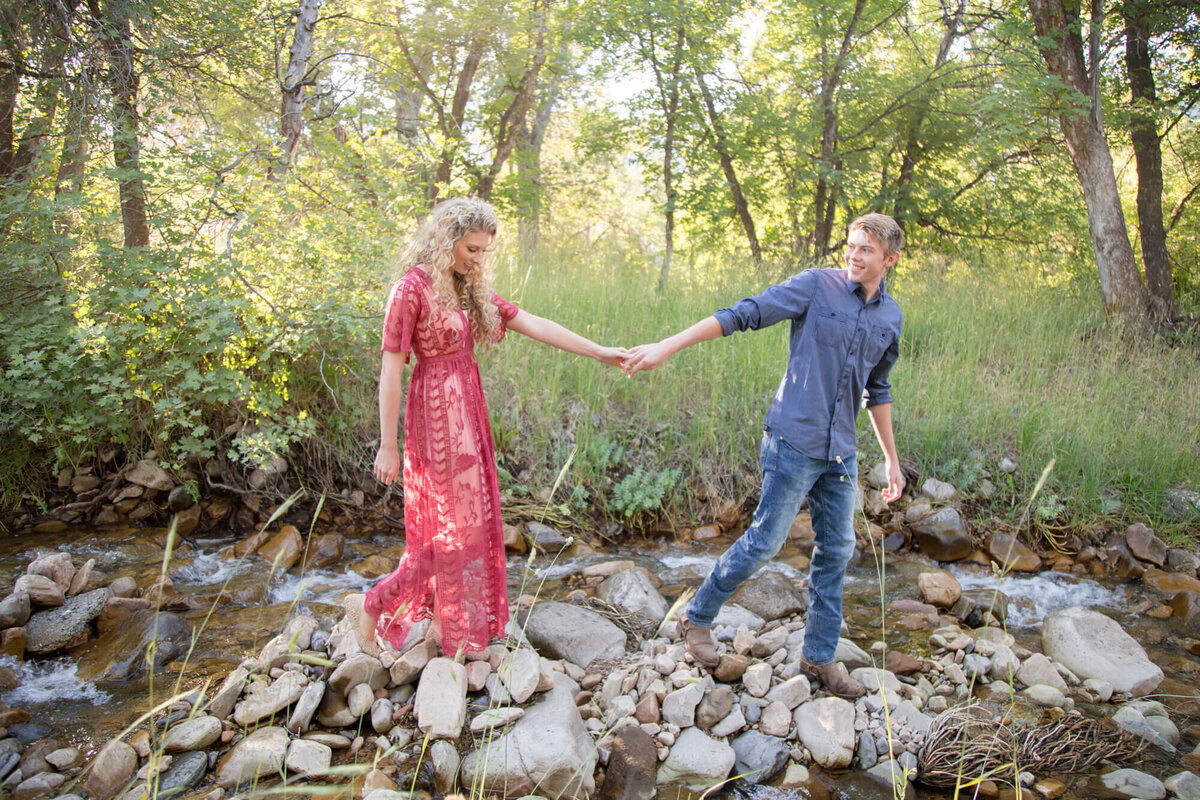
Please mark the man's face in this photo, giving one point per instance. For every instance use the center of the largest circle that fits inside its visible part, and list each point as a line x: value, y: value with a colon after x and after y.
x: 866, y: 259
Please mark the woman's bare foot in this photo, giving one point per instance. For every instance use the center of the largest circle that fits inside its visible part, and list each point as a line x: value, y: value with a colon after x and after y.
x: 364, y: 631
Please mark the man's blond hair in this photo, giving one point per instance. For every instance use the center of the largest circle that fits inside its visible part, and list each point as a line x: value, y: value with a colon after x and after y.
x: 883, y: 228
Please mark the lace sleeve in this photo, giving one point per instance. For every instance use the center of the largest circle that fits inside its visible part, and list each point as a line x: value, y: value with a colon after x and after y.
x: 404, y: 308
x: 507, y: 312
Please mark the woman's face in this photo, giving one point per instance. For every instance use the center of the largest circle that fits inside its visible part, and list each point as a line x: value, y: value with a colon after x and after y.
x: 470, y: 251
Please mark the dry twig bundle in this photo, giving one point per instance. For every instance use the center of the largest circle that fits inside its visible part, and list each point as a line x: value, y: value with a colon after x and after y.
x: 967, y: 744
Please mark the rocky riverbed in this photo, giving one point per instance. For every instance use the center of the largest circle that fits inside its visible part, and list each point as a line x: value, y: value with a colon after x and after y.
x: 256, y: 680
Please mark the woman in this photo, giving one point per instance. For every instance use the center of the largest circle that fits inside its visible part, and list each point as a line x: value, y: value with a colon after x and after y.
x: 441, y: 309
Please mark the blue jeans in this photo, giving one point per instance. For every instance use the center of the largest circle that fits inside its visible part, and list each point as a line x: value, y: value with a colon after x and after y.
x: 789, y: 475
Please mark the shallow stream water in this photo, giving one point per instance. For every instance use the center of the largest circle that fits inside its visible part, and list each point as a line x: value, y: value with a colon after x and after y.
x: 237, y: 605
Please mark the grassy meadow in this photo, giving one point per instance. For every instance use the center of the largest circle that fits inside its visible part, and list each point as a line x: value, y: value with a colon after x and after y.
x: 991, y: 366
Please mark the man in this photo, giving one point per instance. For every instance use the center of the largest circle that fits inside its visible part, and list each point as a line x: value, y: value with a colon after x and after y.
x: 845, y: 333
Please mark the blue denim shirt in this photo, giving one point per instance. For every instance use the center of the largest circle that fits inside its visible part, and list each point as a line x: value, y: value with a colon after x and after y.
x: 841, y: 349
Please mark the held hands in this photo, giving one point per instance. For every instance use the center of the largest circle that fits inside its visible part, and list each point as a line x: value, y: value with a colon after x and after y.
x: 895, y: 486
x: 645, y: 356
x: 387, y: 463
x: 613, y: 356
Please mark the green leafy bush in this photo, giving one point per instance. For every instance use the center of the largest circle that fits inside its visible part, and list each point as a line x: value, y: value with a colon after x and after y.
x: 642, y: 492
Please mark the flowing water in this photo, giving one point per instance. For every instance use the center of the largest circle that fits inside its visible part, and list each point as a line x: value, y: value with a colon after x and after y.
x: 237, y: 605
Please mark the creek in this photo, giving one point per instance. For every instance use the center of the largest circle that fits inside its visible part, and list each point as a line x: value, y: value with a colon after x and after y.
x: 237, y: 605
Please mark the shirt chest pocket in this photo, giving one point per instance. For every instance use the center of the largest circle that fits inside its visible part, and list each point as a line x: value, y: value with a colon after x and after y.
x: 832, y: 328
x: 876, y: 345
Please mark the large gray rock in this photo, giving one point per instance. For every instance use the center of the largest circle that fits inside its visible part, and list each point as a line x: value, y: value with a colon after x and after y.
x: 634, y: 591
x: 120, y: 654
x: 697, y: 761
x: 679, y: 707
x: 826, y: 728
x: 560, y: 630
x: 759, y: 758
x: 440, y: 703
x: 1145, y: 545
x: 943, y: 535
x: 258, y: 755
x: 56, y: 628
x: 548, y: 752
x: 150, y: 475
x: 358, y: 668
x: 770, y: 595
x: 1183, y: 505
x: 1093, y: 646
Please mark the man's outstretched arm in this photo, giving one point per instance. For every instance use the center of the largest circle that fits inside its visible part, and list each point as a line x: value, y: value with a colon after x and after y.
x: 649, y: 356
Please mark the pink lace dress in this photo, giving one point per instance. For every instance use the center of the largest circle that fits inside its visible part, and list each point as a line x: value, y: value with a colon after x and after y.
x: 453, y: 560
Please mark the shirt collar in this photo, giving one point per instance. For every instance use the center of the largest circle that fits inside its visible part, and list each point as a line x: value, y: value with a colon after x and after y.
x: 857, y: 288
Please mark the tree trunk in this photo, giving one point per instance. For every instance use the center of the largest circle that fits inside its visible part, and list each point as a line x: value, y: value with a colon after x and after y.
x: 513, y: 119
x: 1148, y: 156
x: 904, y: 209
x: 452, y: 126
x: 735, y: 187
x: 669, y: 93
x: 830, y: 82
x: 1121, y: 285
x: 117, y: 37
x: 529, y: 176
x: 291, y: 113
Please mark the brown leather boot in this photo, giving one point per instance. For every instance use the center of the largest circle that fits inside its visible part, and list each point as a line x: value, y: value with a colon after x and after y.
x: 698, y: 640
x: 834, y: 677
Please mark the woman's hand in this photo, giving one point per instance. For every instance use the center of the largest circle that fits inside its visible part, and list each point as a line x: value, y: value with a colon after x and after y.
x: 613, y: 356
x: 387, y: 463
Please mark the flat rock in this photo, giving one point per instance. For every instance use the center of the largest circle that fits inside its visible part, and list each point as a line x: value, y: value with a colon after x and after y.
x: 283, y: 549
x: 120, y: 654
x: 561, y: 630
x: 1093, y: 646
x: 67, y: 625
x: 1129, y: 783
x: 1170, y: 584
x: 262, y: 701
x: 520, y: 673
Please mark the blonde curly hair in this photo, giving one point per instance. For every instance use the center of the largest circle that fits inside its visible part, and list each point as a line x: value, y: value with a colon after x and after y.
x: 432, y: 249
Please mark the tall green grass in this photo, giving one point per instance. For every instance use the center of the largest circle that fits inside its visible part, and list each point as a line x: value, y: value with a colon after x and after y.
x: 995, y: 361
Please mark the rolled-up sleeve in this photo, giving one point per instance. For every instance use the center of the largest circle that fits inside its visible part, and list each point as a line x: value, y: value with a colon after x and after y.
x: 786, y: 300
x: 878, y: 389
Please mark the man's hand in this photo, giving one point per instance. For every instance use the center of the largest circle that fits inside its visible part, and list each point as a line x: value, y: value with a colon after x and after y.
x: 895, y: 486
x: 645, y: 356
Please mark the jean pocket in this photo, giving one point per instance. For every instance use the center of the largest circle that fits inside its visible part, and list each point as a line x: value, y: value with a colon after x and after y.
x: 768, y: 451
